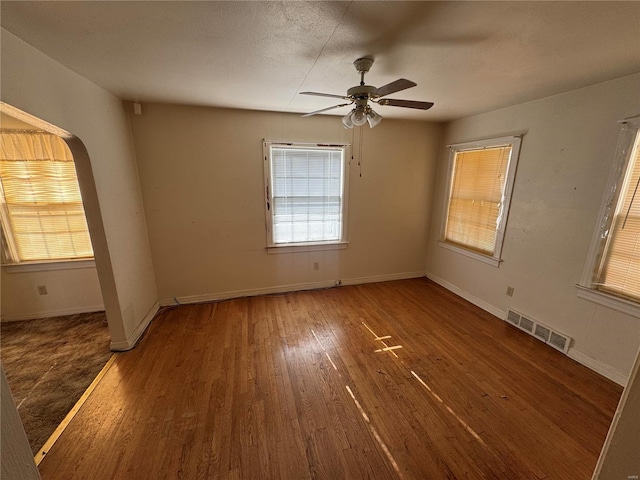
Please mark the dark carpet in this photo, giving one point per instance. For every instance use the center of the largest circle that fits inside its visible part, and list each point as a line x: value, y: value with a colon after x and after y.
x: 49, y: 364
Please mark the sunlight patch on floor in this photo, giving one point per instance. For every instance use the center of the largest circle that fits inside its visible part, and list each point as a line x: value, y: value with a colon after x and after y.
x: 374, y: 432
x: 325, y: 351
x: 382, y: 339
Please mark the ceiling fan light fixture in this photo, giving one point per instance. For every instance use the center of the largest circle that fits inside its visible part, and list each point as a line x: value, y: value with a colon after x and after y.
x: 346, y: 120
x: 373, y: 118
x: 359, y: 116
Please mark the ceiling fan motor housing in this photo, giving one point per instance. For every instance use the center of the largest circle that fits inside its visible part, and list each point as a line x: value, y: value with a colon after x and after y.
x: 362, y: 92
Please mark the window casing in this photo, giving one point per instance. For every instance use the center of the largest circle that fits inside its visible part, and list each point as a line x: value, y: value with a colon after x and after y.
x: 42, y: 213
x: 305, y: 194
x: 480, y: 182
x: 613, y: 267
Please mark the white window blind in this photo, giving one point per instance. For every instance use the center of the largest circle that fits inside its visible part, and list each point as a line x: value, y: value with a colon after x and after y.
x: 307, y: 194
x: 476, y: 197
x: 619, y: 271
x: 43, y: 216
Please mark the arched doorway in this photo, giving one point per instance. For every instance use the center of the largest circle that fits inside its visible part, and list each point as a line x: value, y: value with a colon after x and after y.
x: 54, y: 330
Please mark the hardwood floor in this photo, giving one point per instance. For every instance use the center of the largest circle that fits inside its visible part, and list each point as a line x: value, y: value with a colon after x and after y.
x: 384, y: 381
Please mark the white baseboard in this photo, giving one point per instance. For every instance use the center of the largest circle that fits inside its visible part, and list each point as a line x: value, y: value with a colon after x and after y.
x: 468, y: 297
x: 130, y: 342
x: 214, y: 297
x: 581, y: 358
x: 52, y: 313
x: 599, y: 367
x: 382, y: 278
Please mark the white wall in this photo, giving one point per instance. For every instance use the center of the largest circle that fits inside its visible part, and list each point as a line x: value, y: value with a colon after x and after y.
x: 68, y: 291
x: 16, y: 460
x: 107, y: 173
x: 620, y: 456
x: 201, y: 171
x: 564, y: 165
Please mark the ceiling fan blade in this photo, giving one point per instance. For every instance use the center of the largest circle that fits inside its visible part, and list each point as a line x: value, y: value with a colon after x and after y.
x: 406, y: 103
x: 325, y: 109
x: 324, y: 95
x: 393, y: 87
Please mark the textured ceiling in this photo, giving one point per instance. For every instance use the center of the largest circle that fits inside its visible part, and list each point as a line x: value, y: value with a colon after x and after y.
x: 467, y: 57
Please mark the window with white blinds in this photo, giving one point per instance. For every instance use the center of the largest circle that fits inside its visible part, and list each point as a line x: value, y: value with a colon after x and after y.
x: 619, y: 269
x: 305, y: 194
x: 42, y: 213
x: 480, y: 182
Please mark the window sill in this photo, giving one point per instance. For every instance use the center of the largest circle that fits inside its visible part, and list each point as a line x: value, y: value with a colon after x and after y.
x: 305, y: 247
x: 471, y: 254
x: 26, y: 267
x: 617, y: 303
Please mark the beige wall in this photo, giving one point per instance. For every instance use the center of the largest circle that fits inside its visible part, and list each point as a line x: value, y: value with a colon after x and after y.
x: 620, y: 457
x: 16, y: 460
x: 105, y: 161
x: 201, y: 172
x: 68, y: 291
x: 564, y: 165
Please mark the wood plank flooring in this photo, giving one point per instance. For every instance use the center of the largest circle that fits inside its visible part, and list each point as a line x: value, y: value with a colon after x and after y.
x: 396, y: 380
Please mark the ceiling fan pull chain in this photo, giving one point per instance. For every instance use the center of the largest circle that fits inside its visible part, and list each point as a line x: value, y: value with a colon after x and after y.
x: 360, y: 154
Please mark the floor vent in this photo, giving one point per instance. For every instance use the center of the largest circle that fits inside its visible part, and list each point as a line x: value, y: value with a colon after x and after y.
x: 543, y: 333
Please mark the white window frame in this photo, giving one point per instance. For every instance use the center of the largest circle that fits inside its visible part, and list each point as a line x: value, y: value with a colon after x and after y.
x: 587, y: 289
x: 342, y: 242
x: 9, y: 249
x: 515, y: 141
x: 10, y: 259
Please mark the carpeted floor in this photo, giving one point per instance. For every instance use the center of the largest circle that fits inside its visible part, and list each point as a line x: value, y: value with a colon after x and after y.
x: 49, y: 364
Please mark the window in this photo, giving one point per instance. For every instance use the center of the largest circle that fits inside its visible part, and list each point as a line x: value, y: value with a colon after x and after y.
x: 615, y: 262
x: 480, y: 181
x: 305, y: 194
x: 42, y: 213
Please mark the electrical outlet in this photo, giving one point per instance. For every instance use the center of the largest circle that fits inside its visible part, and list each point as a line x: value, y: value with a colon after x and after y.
x: 42, y: 289
x: 316, y: 266
x: 510, y: 291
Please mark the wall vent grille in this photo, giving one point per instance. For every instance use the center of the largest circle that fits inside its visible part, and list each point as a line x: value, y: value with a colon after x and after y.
x: 527, y: 324
x: 559, y: 341
x: 554, y: 339
x: 542, y: 333
x: 513, y: 317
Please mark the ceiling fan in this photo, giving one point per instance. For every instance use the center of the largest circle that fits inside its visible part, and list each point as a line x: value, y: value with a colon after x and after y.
x: 362, y: 94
